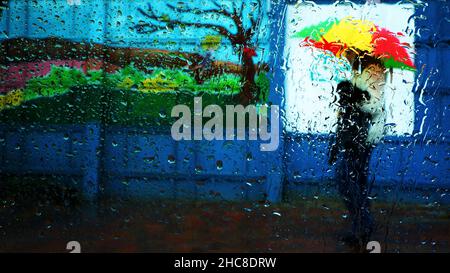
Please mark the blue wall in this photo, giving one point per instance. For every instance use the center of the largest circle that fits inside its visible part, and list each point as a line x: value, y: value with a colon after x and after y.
x: 136, y: 162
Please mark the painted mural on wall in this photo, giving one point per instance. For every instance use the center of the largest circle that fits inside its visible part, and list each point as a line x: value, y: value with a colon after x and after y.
x: 147, y: 58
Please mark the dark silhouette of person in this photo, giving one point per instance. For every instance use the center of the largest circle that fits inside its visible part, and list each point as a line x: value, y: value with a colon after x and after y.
x: 352, y: 146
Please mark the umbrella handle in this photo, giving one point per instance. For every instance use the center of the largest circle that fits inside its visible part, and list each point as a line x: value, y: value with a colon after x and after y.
x: 391, y: 74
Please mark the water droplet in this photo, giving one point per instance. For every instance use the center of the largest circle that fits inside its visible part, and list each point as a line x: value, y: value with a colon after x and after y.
x: 219, y: 165
x: 149, y: 159
x: 171, y: 159
x: 162, y: 114
x: 198, y: 169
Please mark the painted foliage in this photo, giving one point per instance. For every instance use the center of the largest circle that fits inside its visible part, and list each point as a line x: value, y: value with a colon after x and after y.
x: 156, y: 54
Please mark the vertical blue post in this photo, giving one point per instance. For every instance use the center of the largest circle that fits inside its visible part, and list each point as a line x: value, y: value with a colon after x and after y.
x: 90, y: 164
x: 275, y: 177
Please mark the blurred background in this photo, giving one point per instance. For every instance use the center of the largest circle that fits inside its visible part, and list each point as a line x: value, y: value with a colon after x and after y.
x: 86, y: 93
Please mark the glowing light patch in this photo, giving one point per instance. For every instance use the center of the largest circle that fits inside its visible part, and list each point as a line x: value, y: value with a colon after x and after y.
x: 312, y: 75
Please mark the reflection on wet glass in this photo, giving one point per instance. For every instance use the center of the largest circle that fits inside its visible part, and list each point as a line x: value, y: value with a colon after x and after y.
x: 88, y: 162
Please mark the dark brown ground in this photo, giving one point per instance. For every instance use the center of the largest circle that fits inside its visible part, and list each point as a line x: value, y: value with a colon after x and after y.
x: 311, y: 225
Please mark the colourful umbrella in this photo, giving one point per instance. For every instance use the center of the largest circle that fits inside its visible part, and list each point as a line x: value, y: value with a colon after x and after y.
x: 361, y: 37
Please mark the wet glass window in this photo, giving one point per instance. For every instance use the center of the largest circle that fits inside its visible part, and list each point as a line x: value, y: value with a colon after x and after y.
x: 224, y: 126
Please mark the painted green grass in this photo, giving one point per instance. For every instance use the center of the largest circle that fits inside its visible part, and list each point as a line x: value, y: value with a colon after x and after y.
x: 97, y: 103
x: 129, y: 96
x: 61, y: 79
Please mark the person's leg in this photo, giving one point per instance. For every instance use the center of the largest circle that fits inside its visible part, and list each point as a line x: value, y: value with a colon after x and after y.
x: 353, y: 187
x: 349, y: 190
x: 366, y: 218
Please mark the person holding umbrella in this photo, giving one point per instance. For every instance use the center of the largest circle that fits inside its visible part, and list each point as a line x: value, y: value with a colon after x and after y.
x: 360, y: 127
x: 371, y: 52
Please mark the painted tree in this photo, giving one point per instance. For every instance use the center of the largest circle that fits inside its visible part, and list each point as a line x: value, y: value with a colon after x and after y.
x: 245, y: 18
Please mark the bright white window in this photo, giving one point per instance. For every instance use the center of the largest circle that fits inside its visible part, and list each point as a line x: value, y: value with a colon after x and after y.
x: 310, y: 78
